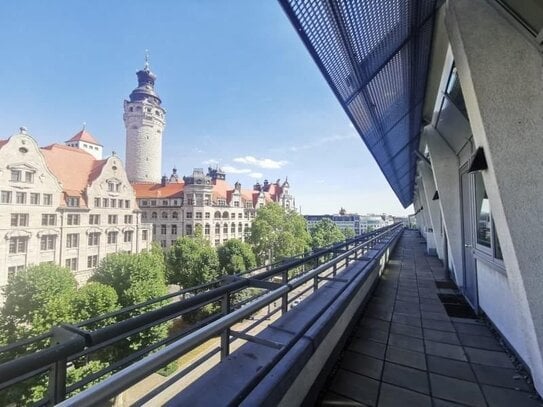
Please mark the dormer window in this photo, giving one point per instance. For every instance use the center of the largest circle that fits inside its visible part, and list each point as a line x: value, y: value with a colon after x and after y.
x: 22, y: 176
x: 113, y: 186
x: 72, y: 201
x: 16, y: 175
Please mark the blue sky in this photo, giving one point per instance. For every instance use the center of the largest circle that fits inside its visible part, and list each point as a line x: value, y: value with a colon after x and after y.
x: 237, y: 83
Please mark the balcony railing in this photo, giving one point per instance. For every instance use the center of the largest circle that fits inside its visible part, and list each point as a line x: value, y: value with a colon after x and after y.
x: 51, y: 355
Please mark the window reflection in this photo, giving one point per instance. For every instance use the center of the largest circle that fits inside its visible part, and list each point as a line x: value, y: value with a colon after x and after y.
x: 482, y: 207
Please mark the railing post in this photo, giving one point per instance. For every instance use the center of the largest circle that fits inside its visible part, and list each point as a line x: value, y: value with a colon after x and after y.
x: 57, y: 372
x: 315, y: 283
x: 57, y: 382
x: 284, y: 298
x: 334, y: 269
x: 225, y: 336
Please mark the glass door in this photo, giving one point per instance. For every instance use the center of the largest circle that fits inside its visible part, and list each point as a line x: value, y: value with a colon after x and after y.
x: 468, y: 222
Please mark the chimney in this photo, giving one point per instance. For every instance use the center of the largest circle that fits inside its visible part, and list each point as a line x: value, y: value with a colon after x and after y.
x: 257, y: 187
x: 164, y: 180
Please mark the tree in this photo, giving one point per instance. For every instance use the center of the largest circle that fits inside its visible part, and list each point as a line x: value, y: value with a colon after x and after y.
x: 135, y: 278
x: 36, y: 299
x: 348, y: 233
x: 235, y: 256
x: 325, y: 233
x: 191, y: 261
x: 95, y: 299
x: 278, y: 233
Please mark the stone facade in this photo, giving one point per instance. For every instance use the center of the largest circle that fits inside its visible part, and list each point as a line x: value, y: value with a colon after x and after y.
x: 205, y: 200
x: 144, y: 119
x: 60, y: 204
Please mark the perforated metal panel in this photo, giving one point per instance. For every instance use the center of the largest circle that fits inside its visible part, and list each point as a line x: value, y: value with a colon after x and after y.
x: 374, y: 54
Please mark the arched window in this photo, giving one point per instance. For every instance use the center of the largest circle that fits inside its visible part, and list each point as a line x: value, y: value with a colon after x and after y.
x: 164, y: 215
x: 175, y: 215
x: 225, y: 229
x: 154, y: 215
x: 207, y: 229
x: 217, y: 228
x: 233, y: 228
x: 225, y: 215
x: 217, y: 215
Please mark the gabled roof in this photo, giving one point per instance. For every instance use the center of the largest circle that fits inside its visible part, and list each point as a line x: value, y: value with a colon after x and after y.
x: 148, y: 190
x: 85, y: 136
x: 70, y: 165
x: 3, y: 142
x: 73, y: 167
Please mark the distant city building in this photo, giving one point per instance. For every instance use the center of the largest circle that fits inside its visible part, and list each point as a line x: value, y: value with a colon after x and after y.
x: 357, y: 223
x: 205, y: 200
x: 62, y: 204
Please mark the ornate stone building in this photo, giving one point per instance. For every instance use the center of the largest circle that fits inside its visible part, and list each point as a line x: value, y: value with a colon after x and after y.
x: 205, y: 200
x: 177, y: 207
x: 62, y: 204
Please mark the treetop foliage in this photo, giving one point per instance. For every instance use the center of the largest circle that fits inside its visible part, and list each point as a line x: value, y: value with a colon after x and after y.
x: 278, y: 233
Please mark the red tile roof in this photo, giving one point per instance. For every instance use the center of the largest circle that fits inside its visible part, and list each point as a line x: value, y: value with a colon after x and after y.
x: 74, y: 168
x: 147, y: 190
x: 221, y: 190
x: 84, y: 135
x: 2, y: 142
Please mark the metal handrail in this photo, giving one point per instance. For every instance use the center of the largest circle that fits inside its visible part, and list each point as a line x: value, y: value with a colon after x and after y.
x: 134, y: 373
x: 74, y: 342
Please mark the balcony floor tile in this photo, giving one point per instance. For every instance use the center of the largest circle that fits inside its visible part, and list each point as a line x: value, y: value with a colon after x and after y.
x: 406, y: 350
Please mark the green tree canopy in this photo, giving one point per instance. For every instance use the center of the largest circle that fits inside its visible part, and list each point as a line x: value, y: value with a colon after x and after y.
x: 46, y: 295
x: 36, y: 299
x: 235, y: 256
x: 348, y: 233
x: 191, y: 261
x: 134, y: 277
x: 325, y: 233
x: 278, y: 233
x: 94, y: 299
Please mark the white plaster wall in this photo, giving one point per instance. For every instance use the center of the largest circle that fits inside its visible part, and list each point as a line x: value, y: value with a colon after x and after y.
x: 505, y: 313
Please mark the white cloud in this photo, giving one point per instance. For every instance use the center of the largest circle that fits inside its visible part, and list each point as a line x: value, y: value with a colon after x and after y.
x: 255, y: 175
x: 211, y: 161
x: 233, y: 170
x: 260, y: 162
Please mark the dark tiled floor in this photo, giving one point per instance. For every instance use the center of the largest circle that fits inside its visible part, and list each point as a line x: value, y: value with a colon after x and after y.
x: 406, y: 351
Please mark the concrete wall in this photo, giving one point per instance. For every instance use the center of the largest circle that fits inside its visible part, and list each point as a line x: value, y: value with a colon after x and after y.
x: 500, y: 72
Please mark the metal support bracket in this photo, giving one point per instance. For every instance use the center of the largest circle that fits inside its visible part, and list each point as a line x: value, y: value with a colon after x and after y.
x: 255, y: 339
x: 267, y: 285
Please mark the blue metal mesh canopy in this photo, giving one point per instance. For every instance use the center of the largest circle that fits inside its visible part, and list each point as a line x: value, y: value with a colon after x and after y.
x: 374, y: 54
